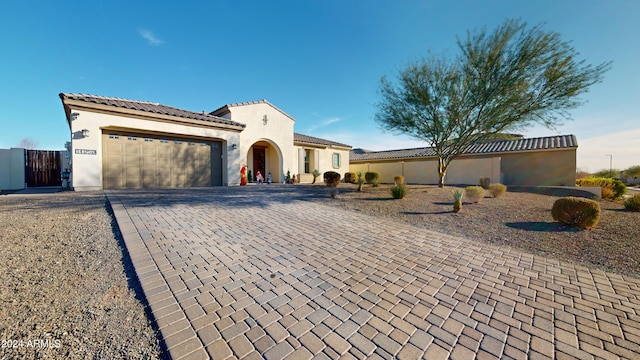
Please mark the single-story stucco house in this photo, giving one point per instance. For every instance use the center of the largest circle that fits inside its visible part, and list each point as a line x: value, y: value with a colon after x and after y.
x: 543, y: 161
x: 119, y: 143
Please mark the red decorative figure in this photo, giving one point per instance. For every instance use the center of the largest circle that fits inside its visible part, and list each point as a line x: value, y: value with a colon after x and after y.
x: 243, y: 175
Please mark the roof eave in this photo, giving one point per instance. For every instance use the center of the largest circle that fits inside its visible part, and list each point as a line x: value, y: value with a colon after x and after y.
x: 85, y: 105
x: 225, y: 109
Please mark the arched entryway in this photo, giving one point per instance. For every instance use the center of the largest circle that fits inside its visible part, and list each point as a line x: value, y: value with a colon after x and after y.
x: 266, y: 157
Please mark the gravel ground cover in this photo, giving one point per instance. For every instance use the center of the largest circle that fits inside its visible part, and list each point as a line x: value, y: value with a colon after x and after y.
x: 518, y: 219
x: 67, y: 291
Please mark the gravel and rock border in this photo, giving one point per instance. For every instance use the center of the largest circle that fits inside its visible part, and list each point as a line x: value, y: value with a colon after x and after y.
x: 68, y: 289
x: 518, y: 219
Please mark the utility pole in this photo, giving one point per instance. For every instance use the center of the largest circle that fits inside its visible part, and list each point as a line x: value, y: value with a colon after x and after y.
x: 610, y: 165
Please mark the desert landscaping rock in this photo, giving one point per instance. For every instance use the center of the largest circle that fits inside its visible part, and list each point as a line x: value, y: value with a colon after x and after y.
x: 518, y: 219
x: 66, y: 292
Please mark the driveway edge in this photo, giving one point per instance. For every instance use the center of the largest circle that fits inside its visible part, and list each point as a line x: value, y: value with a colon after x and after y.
x: 178, y: 337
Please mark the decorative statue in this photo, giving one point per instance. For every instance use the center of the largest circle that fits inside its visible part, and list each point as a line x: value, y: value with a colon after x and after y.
x: 243, y: 175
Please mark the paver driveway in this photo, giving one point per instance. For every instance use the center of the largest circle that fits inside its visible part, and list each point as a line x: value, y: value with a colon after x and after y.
x: 258, y: 272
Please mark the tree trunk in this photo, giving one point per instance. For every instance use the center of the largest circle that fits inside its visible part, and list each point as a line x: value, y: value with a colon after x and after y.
x: 442, y: 172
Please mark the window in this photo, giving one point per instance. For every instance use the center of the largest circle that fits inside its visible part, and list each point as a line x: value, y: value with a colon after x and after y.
x: 132, y: 138
x: 114, y: 137
x: 307, y: 160
x: 336, y: 160
x: 148, y: 139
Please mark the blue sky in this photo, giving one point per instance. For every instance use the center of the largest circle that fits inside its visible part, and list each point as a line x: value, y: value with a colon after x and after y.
x: 319, y: 61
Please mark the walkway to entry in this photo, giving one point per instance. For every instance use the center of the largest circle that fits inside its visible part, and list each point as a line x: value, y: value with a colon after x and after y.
x: 259, y: 272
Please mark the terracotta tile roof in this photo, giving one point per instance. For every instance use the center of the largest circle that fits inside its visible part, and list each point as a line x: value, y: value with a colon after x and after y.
x: 492, y: 147
x: 316, y: 141
x: 223, y: 110
x: 150, y: 107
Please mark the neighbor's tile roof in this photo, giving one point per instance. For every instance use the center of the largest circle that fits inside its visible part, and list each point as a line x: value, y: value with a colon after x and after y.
x: 500, y: 146
x: 150, y: 107
x: 316, y: 141
x: 223, y: 110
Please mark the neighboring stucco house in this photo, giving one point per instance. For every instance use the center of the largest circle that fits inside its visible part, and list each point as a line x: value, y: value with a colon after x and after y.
x: 544, y: 161
x: 119, y: 143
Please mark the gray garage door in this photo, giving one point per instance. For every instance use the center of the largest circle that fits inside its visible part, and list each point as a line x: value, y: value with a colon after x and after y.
x: 145, y: 161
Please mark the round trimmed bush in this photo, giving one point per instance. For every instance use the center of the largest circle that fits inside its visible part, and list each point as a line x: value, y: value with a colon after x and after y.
x: 331, y: 178
x: 577, y: 212
x: 497, y: 189
x: 633, y: 203
x: 371, y: 177
x: 474, y: 193
x: 350, y: 177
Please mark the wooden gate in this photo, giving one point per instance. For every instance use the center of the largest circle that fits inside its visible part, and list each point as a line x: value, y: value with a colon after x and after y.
x: 43, y: 168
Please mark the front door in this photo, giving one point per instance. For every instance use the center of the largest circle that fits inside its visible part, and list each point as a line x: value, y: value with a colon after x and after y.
x: 258, y: 162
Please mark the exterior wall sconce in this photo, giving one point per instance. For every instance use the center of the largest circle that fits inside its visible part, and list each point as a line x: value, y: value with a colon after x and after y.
x: 74, y: 116
x: 265, y: 120
x: 234, y: 146
x: 85, y: 133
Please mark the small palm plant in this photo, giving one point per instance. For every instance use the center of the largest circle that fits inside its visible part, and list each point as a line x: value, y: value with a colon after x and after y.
x: 361, y: 180
x: 457, y: 197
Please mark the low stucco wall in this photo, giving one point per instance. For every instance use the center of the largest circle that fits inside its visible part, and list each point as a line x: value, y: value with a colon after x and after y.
x: 534, y: 168
x: 541, y: 168
x: 460, y: 171
x: 12, y: 169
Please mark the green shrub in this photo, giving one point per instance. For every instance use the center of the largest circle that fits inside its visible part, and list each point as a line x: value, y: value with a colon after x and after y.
x: 399, y: 179
x: 633, y: 203
x: 474, y: 193
x: 315, y: 174
x: 607, y: 193
x: 575, y: 211
x: 458, y: 194
x: 331, y: 178
x: 497, y: 189
x: 485, y: 182
x: 615, y: 188
x: 399, y: 191
x: 372, y: 177
x: 350, y: 177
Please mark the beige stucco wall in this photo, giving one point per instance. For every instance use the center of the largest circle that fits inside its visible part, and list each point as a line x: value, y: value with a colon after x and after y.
x: 533, y: 168
x: 541, y: 168
x: 277, y: 132
x: 464, y: 171
x: 12, y: 168
x: 87, y: 169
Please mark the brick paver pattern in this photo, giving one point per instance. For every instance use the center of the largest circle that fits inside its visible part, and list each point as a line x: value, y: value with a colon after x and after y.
x: 257, y: 272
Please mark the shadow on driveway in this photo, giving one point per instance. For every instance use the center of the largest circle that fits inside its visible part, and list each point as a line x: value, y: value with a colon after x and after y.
x: 262, y: 196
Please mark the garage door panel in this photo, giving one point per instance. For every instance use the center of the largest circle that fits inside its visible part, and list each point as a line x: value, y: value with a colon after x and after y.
x: 135, y: 161
x: 149, y: 172
x: 113, y: 175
